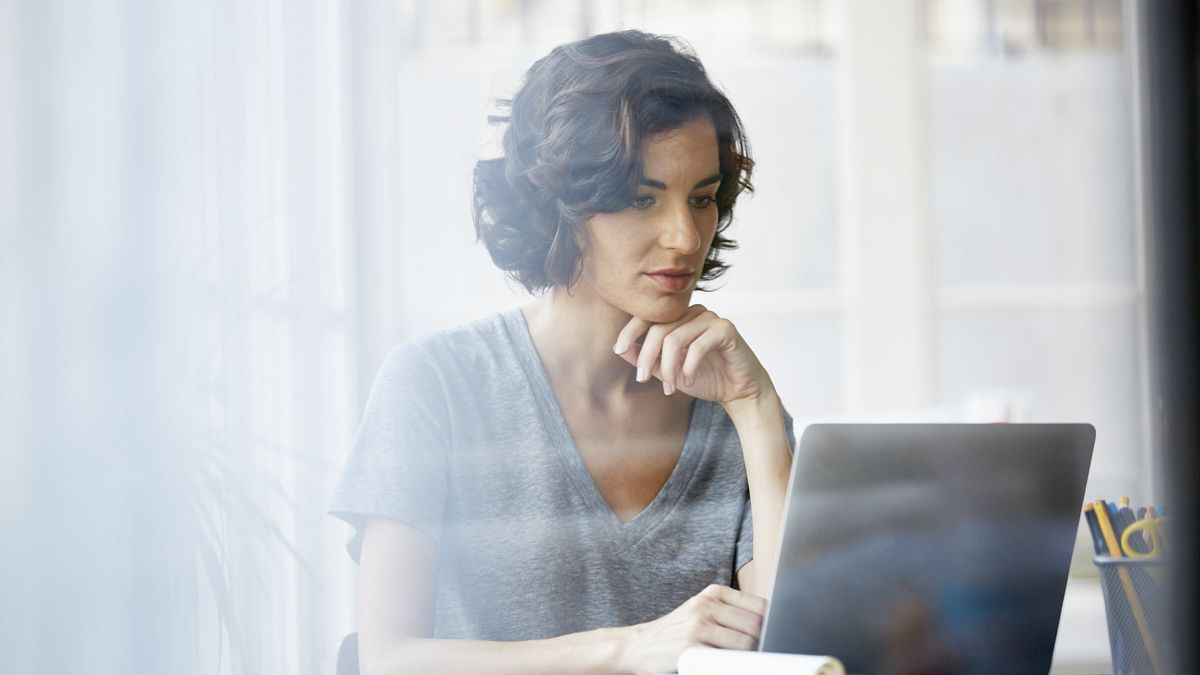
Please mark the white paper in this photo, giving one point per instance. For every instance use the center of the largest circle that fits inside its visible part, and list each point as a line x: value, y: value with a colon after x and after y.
x: 709, y: 661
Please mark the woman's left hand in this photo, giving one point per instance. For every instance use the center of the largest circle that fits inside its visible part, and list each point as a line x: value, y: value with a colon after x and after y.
x: 701, y: 355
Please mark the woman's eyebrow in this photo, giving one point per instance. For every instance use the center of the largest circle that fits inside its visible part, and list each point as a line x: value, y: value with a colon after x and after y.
x: 659, y: 185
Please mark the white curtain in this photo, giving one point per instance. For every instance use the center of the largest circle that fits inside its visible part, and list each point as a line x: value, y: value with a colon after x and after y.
x: 179, y: 322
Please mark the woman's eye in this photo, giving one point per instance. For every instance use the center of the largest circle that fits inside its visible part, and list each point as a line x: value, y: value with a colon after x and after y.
x: 643, y: 202
x: 702, y: 202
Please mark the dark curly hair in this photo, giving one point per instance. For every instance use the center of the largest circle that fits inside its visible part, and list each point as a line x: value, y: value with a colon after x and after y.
x: 572, y: 149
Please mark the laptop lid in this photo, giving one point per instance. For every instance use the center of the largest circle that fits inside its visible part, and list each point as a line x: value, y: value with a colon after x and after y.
x: 929, y: 547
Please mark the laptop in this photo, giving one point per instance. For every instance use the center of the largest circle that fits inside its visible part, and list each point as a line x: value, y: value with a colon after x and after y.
x: 929, y: 548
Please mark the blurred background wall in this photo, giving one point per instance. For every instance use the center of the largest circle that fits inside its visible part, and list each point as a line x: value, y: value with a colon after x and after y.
x: 217, y: 217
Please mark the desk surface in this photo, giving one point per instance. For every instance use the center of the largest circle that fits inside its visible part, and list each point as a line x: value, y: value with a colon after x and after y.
x: 1082, y: 644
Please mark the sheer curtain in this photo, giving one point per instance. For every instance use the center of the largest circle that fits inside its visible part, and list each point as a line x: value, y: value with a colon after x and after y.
x: 178, y: 331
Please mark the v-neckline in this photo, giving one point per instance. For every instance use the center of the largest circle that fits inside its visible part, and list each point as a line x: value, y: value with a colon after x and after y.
x: 632, y: 530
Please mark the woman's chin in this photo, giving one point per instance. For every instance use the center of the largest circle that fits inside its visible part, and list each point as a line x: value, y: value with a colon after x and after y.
x: 662, y: 311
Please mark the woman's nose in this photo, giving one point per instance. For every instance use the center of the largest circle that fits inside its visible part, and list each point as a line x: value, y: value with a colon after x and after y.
x: 679, y: 230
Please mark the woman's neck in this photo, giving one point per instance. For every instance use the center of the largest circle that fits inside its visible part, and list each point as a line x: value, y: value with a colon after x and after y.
x: 574, y: 335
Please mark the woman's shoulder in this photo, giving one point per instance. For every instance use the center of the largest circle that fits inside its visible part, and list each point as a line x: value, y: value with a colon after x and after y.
x: 485, y: 331
x: 489, y: 339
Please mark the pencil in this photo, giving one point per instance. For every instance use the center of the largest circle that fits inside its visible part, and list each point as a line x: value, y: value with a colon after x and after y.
x: 1089, y: 514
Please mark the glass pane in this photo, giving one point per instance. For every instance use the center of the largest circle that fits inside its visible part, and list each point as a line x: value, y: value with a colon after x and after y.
x: 1054, y: 366
x: 787, y: 229
x: 1031, y: 178
x: 803, y: 354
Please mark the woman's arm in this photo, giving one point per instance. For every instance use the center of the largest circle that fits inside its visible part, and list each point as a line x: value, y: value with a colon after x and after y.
x: 396, y: 600
x: 704, y: 356
x: 760, y: 427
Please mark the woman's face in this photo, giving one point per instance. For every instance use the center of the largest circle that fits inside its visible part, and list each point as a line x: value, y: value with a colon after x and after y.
x: 646, y: 259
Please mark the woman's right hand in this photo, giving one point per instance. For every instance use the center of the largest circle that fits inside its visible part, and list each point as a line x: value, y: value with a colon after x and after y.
x: 718, y: 616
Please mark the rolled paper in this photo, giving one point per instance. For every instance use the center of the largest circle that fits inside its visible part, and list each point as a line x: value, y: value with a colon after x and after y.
x: 710, y: 661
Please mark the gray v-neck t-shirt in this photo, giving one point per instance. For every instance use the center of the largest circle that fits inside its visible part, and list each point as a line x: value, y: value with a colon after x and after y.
x: 463, y: 438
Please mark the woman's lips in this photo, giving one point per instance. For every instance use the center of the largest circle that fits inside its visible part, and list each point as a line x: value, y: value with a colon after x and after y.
x: 671, y: 282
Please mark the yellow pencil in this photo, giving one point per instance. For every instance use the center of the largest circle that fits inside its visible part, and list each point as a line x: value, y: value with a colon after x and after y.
x: 1114, y: 550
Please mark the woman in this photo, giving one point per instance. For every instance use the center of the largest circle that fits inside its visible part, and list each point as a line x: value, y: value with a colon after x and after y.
x: 566, y: 486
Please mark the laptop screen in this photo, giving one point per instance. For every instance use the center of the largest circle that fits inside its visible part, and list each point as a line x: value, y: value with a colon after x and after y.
x: 929, y: 548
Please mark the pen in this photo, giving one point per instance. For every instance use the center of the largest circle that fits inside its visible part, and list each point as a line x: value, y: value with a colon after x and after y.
x: 1126, y: 518
x: 1089, y: 515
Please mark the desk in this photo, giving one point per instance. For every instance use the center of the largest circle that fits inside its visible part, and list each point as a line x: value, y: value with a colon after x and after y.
x: 1082, y: 645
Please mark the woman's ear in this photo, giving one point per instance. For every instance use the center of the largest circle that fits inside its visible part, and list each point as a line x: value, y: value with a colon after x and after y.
x: 566, y: 249
x: 580, y: 235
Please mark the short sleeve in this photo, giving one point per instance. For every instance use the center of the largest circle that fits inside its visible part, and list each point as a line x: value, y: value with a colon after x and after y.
x: 398, y: 463
x: 745, y: 542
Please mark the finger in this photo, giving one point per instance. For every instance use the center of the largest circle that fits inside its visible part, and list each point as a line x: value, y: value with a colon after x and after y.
x: 724, y: 637
x: 628, y: 335
x: 675, y: 346
x: 632, y: 354
x: 652, y: 343
x: 635, y: 327
x: 731, y: 596
x: 734, y: 617
x: 651, y: 348
x: 697, y: 350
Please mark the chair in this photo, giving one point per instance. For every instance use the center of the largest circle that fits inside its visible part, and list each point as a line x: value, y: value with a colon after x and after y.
x: 347, y: 656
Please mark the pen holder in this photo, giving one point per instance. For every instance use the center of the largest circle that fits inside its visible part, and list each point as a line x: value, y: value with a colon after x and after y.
x: 1136, y: 604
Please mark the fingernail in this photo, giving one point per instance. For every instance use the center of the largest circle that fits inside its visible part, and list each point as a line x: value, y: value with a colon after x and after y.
x: 620, y: 347
x: 641, y: 374
x: 667, y: 388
